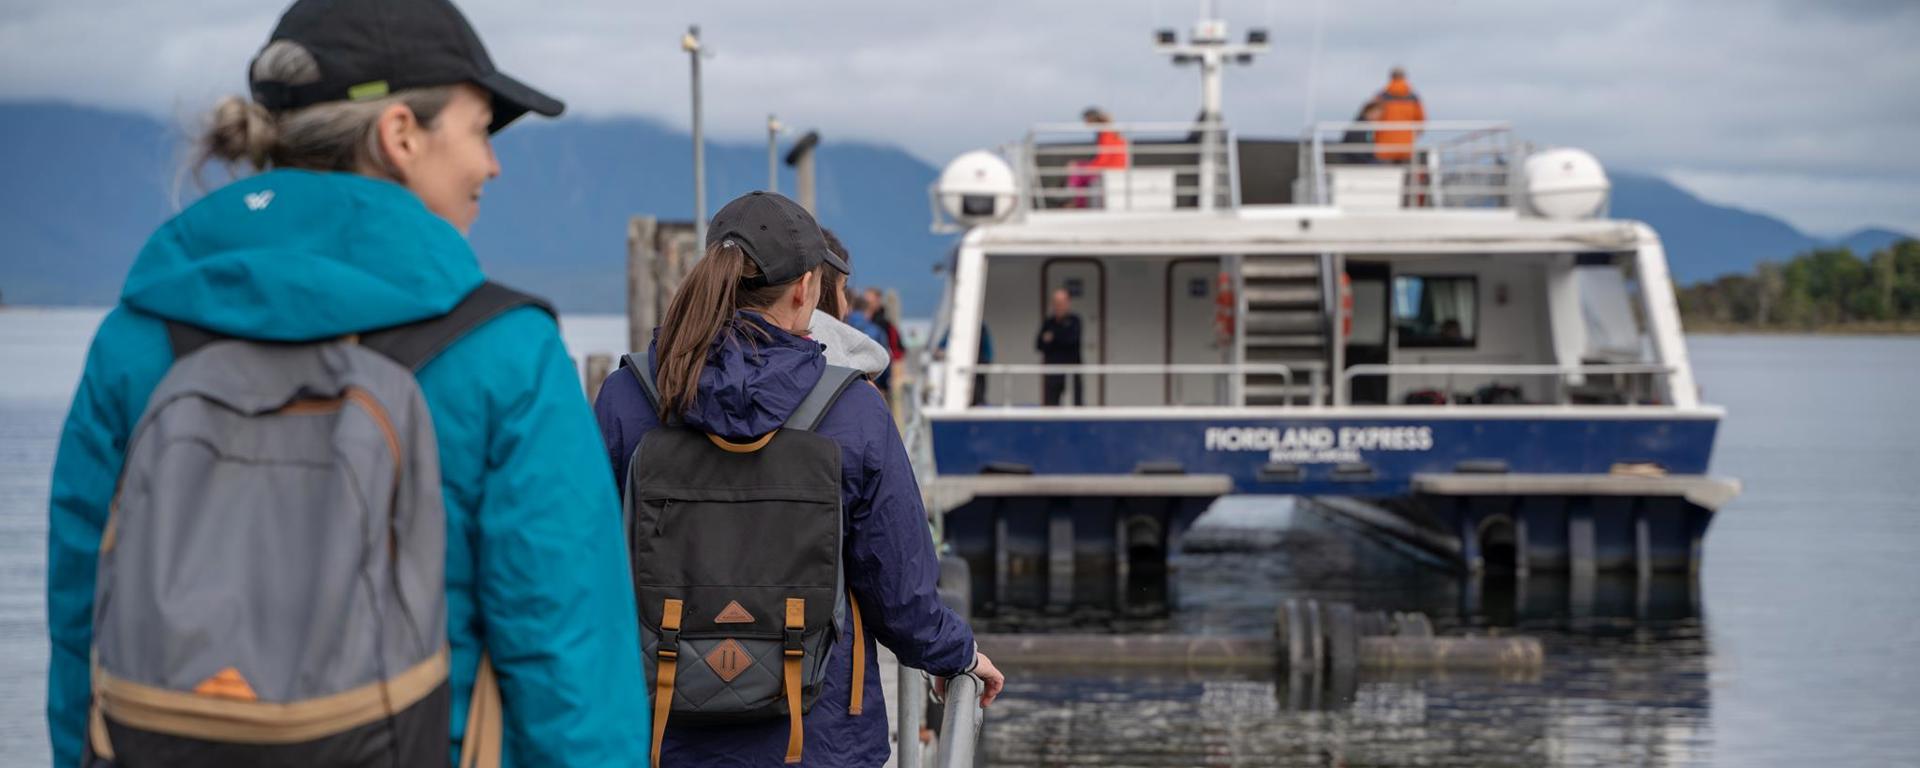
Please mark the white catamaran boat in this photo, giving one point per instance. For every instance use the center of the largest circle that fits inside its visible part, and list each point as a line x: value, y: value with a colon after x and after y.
x: 1461, y: 348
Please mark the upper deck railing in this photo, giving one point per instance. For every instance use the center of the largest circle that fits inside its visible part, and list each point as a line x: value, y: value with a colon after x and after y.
x: 1439, y: 164
x: 1197, y: 166
x: 1159, y: 167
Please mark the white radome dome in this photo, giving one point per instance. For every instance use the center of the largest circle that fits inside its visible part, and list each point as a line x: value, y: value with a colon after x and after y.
x: 977, y: 187
x: 1566, y: 184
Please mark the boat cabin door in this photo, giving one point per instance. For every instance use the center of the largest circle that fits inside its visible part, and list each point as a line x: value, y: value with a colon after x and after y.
x: 1367, y: 343
x: 1194, y: 329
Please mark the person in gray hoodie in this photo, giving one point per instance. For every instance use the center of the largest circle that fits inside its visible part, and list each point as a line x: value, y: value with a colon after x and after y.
x: 846, y: 345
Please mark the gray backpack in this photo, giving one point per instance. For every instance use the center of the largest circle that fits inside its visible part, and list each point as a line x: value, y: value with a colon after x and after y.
x: 737, y: 567
x: 271, y: 586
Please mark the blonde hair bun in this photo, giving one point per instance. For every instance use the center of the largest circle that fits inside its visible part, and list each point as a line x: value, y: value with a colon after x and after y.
x: 241, y: 131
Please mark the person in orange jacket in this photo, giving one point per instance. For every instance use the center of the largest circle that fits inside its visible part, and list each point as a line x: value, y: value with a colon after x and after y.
x: 1110, y: 153
x: 1398, y: 104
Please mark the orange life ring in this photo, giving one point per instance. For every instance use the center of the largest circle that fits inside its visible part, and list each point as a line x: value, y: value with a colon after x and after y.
x: 1223, y: 309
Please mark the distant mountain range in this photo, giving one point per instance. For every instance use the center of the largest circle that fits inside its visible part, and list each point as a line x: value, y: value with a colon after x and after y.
x: 1704, y: 240
x: 82, y: 188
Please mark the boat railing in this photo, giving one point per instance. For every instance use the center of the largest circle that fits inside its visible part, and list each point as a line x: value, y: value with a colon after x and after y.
x: 1447, y: 374
x: 1231, y: 376
x: 1397, y: 165
x: 1161, y: 167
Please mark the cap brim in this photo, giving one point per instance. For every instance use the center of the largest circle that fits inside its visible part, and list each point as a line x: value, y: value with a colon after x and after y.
x: 834, y: 260
x: 512, y: 98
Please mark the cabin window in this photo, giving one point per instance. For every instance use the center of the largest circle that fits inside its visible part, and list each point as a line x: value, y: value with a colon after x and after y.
x: 1435, y: 311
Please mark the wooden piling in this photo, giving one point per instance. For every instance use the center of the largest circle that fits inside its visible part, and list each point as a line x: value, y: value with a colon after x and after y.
x: 1451, y: 653
x: 598, y: 366
x: 643, y: 308
x: 1504, y: 653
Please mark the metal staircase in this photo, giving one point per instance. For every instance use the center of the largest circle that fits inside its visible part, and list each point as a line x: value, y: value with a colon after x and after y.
x: 1285, y: 323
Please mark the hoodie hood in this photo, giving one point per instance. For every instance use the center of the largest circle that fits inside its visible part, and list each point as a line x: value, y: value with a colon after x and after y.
x: 298, y: 256
x: 751, y: 383
x: 849, y: 347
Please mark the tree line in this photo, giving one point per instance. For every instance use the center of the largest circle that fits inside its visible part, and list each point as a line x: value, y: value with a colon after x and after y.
x: 1820, y: 289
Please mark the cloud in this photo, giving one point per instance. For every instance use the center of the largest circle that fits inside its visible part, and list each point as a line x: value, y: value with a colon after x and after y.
x: 1815, y: 91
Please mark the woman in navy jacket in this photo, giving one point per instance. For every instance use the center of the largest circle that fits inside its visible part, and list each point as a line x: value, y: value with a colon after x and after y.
x: 734, y: 359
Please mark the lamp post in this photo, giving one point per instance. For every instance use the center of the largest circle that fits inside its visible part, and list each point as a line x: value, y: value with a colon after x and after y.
x: 801, y: 158
x: 690, y: 42
x: 773, y: 153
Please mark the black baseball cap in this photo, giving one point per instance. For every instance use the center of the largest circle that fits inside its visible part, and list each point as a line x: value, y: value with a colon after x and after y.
x: 367, y: 49
x: 778, y: 234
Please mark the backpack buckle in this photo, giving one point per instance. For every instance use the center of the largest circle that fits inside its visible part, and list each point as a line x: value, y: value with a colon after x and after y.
x: 792, y: 644
x: 669, y: 643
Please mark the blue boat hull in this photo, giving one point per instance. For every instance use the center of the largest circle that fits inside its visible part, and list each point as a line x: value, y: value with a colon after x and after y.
x: 1359, y: 456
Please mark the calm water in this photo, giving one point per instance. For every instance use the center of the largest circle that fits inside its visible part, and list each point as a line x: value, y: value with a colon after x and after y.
x: 1804, y: 650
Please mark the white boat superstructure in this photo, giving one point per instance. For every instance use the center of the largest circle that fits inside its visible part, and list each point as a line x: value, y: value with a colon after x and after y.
x: 1406, y: 311
x: 1546, y: 305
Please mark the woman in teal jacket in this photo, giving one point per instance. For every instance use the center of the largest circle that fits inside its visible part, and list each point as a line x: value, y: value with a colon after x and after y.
x: 358, y: 225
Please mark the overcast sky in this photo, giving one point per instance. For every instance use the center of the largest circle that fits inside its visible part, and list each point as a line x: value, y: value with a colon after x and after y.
x: 1806, y: 109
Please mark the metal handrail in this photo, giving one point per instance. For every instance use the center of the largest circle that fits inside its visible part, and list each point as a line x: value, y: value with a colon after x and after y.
x: 910, y: 713
x: 1345, y: 390
x: 1167, y: 126
x: 1153, y: 369
x: 1132, y: 149
x: 1212, y: 146
x: 1452, y: 163
x: 1141, y: 368
x: 960, y: 729
x: 913, y: 434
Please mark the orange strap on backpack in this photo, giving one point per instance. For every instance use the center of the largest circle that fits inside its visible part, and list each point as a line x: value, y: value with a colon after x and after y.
x: 796, y: 624
x: 859, y: 658
x: 669, y: 655
x: 486, y: 730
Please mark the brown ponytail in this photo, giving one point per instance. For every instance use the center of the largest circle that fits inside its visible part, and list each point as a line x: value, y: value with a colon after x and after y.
x: 833, y: 282
x: 702, y: 308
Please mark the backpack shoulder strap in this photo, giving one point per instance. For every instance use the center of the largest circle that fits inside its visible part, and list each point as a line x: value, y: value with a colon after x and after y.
x: 187, y: 339
x: 415, y: 344
x: 825, y: 393
x: 412, y: 345
x: 647, y: 385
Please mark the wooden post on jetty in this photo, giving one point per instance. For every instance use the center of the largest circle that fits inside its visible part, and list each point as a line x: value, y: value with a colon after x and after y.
x: 642, y: 307
x: 598, y: 366
x: 659, y: 253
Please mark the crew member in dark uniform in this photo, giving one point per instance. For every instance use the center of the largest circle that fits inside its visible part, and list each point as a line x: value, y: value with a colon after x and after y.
x: 1059, y: 344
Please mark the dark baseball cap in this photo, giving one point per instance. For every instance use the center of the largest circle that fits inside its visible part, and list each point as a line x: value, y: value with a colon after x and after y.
x: 778, y: 234
x: 367, y: 49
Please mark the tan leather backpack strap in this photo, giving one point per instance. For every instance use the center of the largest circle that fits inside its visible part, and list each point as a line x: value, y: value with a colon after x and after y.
x: 97, y: 732
x: 793, y: 652
x: 854, y: 705
x: 669, y: 656
x: 486, y: 729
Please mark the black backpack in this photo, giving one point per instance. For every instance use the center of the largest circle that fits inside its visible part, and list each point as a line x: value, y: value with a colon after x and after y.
x: 736, y: 553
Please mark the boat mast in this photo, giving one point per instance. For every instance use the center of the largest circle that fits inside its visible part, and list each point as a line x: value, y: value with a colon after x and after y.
x: 1209, y: 48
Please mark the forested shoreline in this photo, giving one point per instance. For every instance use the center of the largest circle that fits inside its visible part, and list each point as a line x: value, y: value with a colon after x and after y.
x: 1828, y: 290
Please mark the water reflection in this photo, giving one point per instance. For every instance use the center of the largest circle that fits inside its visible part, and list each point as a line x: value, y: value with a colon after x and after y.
x: 1625, y: 680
